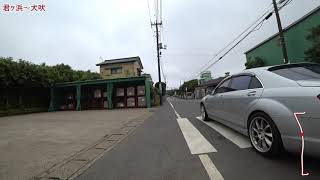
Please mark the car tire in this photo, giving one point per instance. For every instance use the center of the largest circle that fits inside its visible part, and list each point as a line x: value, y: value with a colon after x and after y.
x: 204, y: 114
x: 264, y: 135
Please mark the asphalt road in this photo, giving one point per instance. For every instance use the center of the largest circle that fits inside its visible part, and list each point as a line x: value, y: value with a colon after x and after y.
x: 169, y: 147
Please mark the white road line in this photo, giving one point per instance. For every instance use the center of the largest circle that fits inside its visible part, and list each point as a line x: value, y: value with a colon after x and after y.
x: 175, y: 110
x: 195, y: 140
x: 198, y: 145
x: 235, y: 137
x: 211, y: 169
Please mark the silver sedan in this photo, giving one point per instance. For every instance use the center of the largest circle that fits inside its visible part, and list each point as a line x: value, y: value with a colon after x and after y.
x: 277, y: 107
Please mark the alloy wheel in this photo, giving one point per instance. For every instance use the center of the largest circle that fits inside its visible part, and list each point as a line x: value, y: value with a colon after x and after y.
x: 261, y: 134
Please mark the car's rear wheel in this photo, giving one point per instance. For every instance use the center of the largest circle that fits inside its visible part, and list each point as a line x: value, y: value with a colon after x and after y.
x: 264, y: 135
x: 204, y: 114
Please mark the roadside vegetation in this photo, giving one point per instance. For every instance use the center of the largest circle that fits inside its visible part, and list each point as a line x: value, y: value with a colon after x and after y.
x: 188, y: 86
x: 254, y: 63
x: 24, y: 86
x: 22, y: 73
x: 313, y: 53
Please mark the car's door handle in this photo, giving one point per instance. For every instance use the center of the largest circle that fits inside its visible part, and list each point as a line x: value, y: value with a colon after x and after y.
x: 252, y: 93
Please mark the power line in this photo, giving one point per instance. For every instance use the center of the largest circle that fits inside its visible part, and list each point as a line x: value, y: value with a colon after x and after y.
x: 163, y: 74
x: 161, y: 33
x: 254, y: 29
x: 236, y: 44
x: 149, y: 10
x: 285, y: 4
x: 234, y: 40
x: 237, y: 37
x: 157, y: 10
x: 162, y: 38
x: 186, y: 55
x: 233, y: 47
x: 161, y: 10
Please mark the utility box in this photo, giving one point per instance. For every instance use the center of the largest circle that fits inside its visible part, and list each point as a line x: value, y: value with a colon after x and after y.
x: 142, y: 102
x: 141, y: 90
x: 120, y: 92
x: 131, y: 102
x: 131, y: 91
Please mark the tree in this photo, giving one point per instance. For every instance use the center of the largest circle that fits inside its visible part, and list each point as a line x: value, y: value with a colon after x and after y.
x: 25, y: 74
x: 189, y: 85
x: 254, y: 63
x: 171, y: 92
x: 24, y: 84
x: 313, y: 53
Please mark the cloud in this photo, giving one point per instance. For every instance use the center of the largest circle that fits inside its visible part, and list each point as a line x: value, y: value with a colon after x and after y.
x: 79, y: 32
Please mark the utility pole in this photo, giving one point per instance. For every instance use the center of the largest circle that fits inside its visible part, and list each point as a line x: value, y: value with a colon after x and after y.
x: 158, y: 56
x: 281, y: 36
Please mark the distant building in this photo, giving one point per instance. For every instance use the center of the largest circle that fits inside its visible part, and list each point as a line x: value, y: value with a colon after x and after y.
x: 121, y: 86
x: 204, y: 77
x: 207, y: 87
x: 148, y: 76
x: 121, y: 68
x: 295, y: 37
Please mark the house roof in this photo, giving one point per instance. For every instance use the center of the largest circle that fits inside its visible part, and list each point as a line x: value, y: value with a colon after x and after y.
x: 285, y: 29
x: 122, y: 60
x: 212, y: 82
x: 100, y: 81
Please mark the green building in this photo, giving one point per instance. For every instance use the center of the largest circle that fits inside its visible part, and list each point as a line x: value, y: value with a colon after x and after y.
x: 121, y: 86
x: 295, y: 37
x: 205, y: 77
x: 102, y: 94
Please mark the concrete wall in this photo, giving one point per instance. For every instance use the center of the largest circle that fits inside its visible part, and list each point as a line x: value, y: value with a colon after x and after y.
x: 128, y: 70
x: 296, y: 41
x: 136, y: 69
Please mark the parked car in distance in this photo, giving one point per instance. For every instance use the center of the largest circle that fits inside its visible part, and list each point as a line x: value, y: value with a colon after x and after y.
x: 261, y: 103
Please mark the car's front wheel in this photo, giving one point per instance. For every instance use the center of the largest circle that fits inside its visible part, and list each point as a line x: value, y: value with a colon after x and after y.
x: 264, y: 135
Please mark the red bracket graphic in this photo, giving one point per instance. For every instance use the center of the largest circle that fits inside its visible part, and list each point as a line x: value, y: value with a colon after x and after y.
x: 303, y: 173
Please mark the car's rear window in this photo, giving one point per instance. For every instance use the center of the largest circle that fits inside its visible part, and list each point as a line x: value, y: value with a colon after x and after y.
x: 298, y: 72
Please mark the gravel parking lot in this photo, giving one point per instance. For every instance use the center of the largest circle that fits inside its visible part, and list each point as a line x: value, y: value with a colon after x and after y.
x: 30, y: 144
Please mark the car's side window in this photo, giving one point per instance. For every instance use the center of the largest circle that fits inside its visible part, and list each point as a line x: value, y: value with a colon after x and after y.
x: 240, y: 83
x: 224, y: 87
x: 255, y: 83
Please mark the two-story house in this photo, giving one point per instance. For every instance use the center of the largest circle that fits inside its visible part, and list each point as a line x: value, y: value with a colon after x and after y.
x: 121, y: 68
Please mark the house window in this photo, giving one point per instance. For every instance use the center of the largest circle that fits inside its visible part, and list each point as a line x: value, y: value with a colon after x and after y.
x: 117, y: 70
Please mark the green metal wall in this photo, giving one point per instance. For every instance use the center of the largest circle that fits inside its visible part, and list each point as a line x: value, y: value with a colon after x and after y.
x: 295, y: 38
x: 58, y: 92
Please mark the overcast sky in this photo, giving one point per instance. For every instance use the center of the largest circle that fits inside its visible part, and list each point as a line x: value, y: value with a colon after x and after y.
x: 78, y: 32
